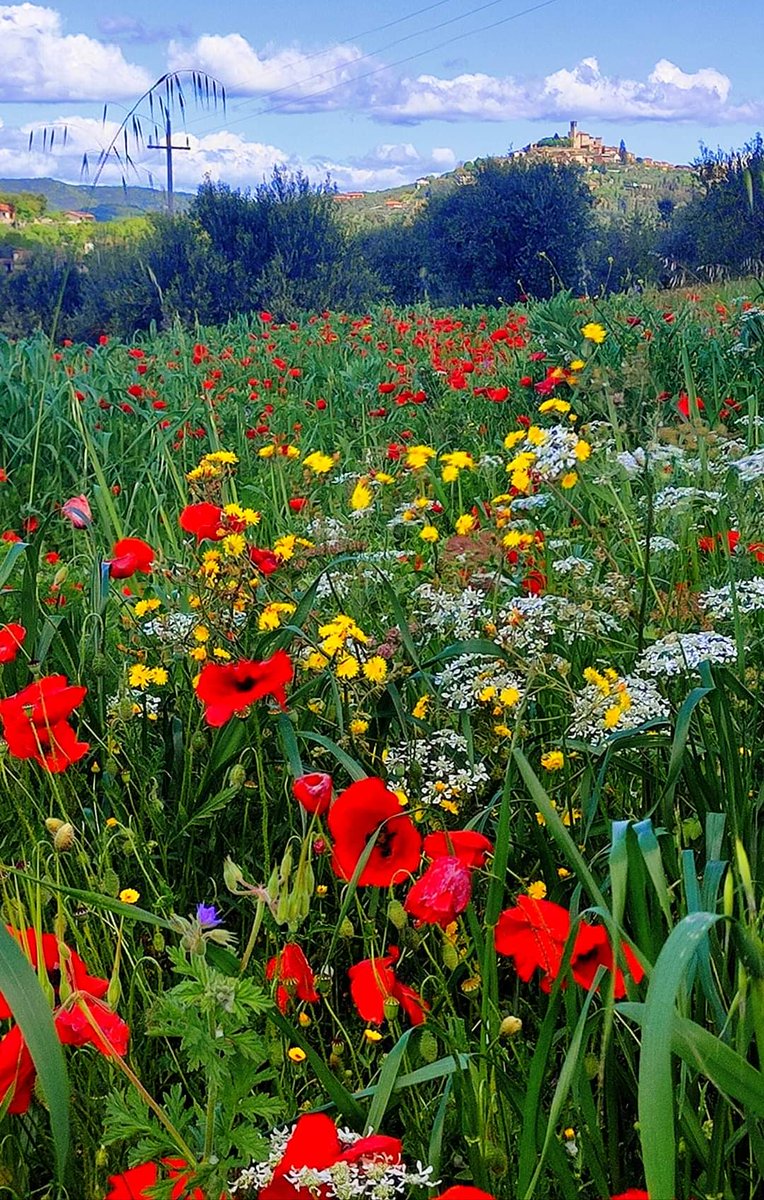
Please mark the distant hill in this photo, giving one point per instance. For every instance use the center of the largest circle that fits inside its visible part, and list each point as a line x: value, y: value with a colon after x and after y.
x: 105, y: 202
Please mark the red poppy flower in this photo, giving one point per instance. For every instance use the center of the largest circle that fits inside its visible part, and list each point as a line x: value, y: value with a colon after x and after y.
x: 441, y: 893
x: 35, y: 722
x: 17, y: 1072
x: 297, y: 503
x: 131, y: 555
x: 373, y: 981
x: 134, y: 1184
x: 228, y: 688
x: 314, y: 1142
x: 683, y: 404
x: 314, y: 792
x: 592, y: 949
x: 462, y: 1191
x: 373, y: 1148
x: 86, y: 1021
x: 11, y: 639
x: 364, y: 809
x: 77, y: 511
x: 632, y: 1194
x: 296, y: 979
x: 533, y: 935
x: 469, y: 846
x: 77, y: 973
x: 203, y: 520
x: 265, y: 560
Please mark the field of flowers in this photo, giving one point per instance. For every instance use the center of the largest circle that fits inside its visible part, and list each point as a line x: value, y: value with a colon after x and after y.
x: 382, y: 764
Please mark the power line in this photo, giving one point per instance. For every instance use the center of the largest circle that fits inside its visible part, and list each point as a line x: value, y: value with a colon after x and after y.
x: 384, y: 66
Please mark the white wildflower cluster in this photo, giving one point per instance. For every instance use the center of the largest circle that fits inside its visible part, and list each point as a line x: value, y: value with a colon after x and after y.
x: 375, y: 1176
x: 659, y: 544
x: 411, y: 514
x: 670, y: 498
x: 525, y: 625
x: 576, y: 620
x: 679, y: 653
x: 611, y: 703
x: 557, y: 453
x: 458, y: 614
x: 745, y: 596
x: 470, y: 680
x: 579, y: 568
x: 529, y: 503
x: 438, y: 769
x: 326, y: 530
x: 751, y: 467
x: 174, y: 629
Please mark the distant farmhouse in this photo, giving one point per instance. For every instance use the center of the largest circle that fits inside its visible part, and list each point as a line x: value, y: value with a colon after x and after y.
x: 584, y: 149
x: 7, y: 213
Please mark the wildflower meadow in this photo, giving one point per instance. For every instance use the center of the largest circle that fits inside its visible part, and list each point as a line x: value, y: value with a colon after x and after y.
x: 382, y: 767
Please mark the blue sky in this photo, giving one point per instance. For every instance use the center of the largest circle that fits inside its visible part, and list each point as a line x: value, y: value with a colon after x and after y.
x: 380, y: 93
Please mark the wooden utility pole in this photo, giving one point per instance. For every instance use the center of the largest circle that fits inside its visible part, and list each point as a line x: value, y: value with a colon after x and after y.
x: 168, y: 148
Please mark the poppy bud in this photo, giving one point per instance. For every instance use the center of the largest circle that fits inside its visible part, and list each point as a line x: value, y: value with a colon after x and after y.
x: 396, y: 914
x: 323, y: 984
x: 428, y: 1046
x: 320, y: 846
x: 390, y: 1007
x: 338, y: 1048
x: 199, y: 742
x: 510, y: 1027
x: 158, y: 942
x: 449, y: 956
x: 346, y: 929
x: 64, y: 838
x: 52, y: 824
x: 237, y: 776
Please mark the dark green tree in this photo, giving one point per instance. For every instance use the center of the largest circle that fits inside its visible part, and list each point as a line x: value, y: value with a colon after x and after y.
x: 522, y: 227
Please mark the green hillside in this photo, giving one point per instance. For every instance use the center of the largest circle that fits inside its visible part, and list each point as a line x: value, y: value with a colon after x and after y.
x: 107, y: 203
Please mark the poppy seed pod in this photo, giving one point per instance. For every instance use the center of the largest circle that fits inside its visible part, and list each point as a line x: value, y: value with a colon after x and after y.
x: 64, y: 837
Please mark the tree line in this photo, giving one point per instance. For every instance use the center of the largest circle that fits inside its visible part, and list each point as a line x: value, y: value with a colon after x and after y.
x: 521, y: 228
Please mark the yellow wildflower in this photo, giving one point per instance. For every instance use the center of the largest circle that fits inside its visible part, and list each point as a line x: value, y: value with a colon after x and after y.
x: 429, y: 534
x: 348, y: 667
x: 420, y: 708
x: 375, y: 668
x: 146, y: 606
x: 129, y: 896
x: 234, y: 544
x: 553, y: 760
x: 465, y: 524
x: 139, y: 676
x: 318, y: 463
x: 569, y: 480
x: 362, y: 496
x: 537, y: 889
x: 296, y: 1055
x: 513, y: 438
x: 358, y: 727
x: 554, y: 404
x: 419, y: 456
x: 582, y: 450
x: 594, y: 332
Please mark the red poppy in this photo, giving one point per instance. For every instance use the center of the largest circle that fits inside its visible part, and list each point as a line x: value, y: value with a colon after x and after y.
x: 632, y: 1194
x: 592, y: 949
x: 203, y: 520
x: 469, y: 846
x: 373, y: 981
x: 130, y: 555
x: 533, y: 935
x: 683, y: 404
x: 373, y: 1148
x: 17, y: 1072
x: 297, y: 503
x: 364, y: 809
x: 296, y: 979
x: 314, y: 1142
x: 76, y: 971
x: 35, y: 722
x: 86, y: 1021
x: 228, y: 688
x: 11, y: 639
x: 77, y: 511
x: 134, y: 1184
x: 314, y: 792
x: 441, y: 893
x: 462, y: 1191
x: 265, y: 560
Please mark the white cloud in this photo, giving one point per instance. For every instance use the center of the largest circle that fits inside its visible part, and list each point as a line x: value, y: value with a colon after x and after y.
x: 41, y: 62
x: 223, y: 155
x: 341, y: 77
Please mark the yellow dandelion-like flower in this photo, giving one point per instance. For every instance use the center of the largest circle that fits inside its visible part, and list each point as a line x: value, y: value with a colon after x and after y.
x: 582, y: 450
x: 146, y: 606
x: 158, y: 675
x: 362, y: 497
x: 296, y: 1055
x: 129, y: 896
x: 569, y: 480
x: 139, y: 676
x: 554, y: 404
x: 594, y: 332
x: 419, y: 456
x: 318, y: 463
x: 375, y: 669
x: 421, y: 707
x: 514, y: 438
x: 537, y: 890
x: 372, y: 1035
x: 553, y: 760
x: 358, y: 727
x: 465, y: 524
x: 429, y: 534
x: 347, y: 668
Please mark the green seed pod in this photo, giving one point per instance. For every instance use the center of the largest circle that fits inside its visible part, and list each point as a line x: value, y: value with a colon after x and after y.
x: 397, y: 915
x: 428, y: 1045
x: 64, y: 838
x: 346, y: 929
x: 449, y: 956
x: 391, y: 1007
x: 199, y: 742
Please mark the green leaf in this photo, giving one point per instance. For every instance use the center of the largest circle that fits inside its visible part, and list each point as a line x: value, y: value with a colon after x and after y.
x: 26, y: 999
x: 385, y: 1086
x: 343, y: 1100
x: 656, y: 1088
